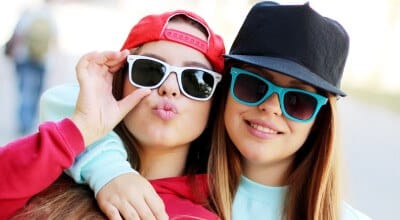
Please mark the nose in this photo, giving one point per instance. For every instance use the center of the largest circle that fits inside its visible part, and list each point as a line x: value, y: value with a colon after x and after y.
x: 271, y: 105
x: 170, y: 87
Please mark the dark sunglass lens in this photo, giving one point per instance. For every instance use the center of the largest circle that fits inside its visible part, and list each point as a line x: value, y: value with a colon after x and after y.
x: 197, y: 83
x: 300, y: 105
x: 249, y: 89
x: 147, y: 72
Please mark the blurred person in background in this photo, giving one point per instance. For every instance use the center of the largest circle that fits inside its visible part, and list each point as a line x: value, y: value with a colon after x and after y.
x: 33, y: 37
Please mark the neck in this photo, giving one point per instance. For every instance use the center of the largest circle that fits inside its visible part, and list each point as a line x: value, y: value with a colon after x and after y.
x: 272, y: 174
x: 163, y: 163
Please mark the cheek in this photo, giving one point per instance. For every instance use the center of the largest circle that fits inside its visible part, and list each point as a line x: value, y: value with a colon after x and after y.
x: 201, y: 112
x: 300, y: 132
x: 128, y: 88
x: 233, y: 107
x: 232, y: 110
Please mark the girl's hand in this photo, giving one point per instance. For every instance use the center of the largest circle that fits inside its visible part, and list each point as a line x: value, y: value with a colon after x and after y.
x: 97, y: 111
x: 131, y: 196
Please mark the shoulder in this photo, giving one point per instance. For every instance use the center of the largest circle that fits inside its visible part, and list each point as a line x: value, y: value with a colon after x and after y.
x: 66, y: 93
x: 350, y: 213
x: 58, y: 102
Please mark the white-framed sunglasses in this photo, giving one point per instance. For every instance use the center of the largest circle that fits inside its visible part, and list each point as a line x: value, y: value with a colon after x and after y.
x: 194, y: 82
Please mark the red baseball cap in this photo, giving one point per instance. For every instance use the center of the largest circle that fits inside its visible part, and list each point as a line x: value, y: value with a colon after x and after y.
x: 154, y: 28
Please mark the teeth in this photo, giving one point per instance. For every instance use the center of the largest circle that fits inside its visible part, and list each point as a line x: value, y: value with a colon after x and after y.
x: 263, y: 129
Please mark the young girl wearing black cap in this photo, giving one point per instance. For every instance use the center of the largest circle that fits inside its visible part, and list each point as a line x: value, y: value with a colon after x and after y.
x: 274, y: 154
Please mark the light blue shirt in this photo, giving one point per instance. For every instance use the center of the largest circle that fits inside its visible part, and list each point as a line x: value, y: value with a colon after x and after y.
x: 255, y: 201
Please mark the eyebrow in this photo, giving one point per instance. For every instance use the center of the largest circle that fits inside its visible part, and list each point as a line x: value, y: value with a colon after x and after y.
x: 186, y: 63
x: 291, y: 83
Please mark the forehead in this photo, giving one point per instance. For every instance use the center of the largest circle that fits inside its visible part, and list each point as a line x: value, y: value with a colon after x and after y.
x: 278, y: 77
x: 174, y: 54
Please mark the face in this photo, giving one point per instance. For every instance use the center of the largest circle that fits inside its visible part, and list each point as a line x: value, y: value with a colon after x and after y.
x: 266, y: 138
x: 167, y: 118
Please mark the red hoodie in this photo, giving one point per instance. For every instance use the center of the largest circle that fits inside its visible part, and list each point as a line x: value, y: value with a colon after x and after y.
x: 184, y: 199
x: 30, y: 164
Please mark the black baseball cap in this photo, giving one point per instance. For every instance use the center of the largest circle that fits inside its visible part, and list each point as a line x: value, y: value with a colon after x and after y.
x: 294, y: 40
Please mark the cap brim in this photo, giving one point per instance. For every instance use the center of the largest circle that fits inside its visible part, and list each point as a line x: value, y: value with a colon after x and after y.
x: 289, y: 68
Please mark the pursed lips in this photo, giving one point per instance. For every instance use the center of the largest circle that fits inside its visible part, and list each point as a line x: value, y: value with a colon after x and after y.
x: 166, y: 110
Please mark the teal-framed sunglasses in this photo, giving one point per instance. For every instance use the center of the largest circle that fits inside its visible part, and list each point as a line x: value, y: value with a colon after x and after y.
x: 251, y: 89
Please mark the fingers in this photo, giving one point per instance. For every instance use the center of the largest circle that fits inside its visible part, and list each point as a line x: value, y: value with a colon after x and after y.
x: 124, y: 211
x: 117, y: 208
x: 128, y: 212
x: 95, y: 80
x: 111, y: 212
x: 138, y: 209
x: 134, y: 198
x: 130, y: 101
x: 115, y: 62
x: 115, y: 59
x: 111, y: 60
x: 142, y: 209
x: 151, y: 207
x: 156, y: 205
x: 84, y: 62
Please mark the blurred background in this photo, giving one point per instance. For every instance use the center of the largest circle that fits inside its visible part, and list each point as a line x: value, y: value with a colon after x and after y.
x: 369, y: 115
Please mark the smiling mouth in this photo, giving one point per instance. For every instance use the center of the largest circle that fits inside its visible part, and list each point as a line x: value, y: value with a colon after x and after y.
x: 263, y: 129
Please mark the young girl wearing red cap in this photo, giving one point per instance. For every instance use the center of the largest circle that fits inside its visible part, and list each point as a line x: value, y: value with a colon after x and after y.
x: 165, y: 134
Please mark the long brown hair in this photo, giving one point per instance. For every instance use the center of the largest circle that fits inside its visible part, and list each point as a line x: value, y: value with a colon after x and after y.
x: 66, y: 199
x: 313, y: 177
